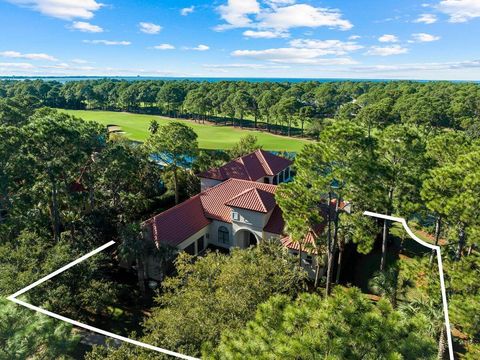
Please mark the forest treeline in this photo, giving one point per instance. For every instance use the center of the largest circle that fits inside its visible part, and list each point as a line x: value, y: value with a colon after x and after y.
x: 290, y: 108
x: 401, y: 148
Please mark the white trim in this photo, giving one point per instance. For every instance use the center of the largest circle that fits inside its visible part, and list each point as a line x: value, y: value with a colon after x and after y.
x: 79, y: 324
x: 440, y: 267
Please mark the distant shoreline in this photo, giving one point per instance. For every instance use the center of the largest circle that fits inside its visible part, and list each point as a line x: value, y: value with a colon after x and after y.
x: 218, y: 79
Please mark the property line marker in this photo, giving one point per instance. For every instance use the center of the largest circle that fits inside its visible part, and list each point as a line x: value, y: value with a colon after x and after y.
x: 440, y: 267
x: 13, y: 298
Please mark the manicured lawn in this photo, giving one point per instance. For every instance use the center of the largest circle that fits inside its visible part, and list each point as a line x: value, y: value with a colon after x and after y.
x: 209, y: 136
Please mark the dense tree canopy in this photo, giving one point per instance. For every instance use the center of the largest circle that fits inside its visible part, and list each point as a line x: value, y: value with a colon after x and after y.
x: 344, y: 326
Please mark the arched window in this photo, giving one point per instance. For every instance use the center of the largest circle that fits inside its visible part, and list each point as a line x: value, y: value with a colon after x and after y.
x: 223, y: 236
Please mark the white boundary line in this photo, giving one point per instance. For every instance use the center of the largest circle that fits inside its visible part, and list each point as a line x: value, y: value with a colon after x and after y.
x: 13, y: 297
x: 440, y: 267
x: 79, y: 324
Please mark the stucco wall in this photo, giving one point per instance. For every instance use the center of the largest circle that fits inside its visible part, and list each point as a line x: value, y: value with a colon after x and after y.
x: 214, y: 234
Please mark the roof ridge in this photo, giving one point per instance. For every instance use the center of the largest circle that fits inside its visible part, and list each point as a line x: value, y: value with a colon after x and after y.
x: 265, y: 162
x: 244, y: 166
x: 241, y: 194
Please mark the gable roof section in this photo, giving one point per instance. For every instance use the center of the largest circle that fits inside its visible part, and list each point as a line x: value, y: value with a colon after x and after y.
x: 177, y: 224
x: 308, y: 243
x: 252, y: 167
x: 253, y: 199
x: 275, y: 224
x: 214, y: 200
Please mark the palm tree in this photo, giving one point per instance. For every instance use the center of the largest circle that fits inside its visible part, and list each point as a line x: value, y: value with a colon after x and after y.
x: 388, y: 283
x: 433, y: 311
x: 133, y: 248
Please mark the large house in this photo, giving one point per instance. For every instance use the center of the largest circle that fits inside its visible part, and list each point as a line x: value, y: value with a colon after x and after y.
x: 236, y: 208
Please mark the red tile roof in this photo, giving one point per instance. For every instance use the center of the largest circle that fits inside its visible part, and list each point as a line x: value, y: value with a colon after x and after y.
x: 214, y: 200
x: 309, y: 243
x: 253, y: 199
x: 177, y: 224
x: 275, y: 224
x: 249, y: 167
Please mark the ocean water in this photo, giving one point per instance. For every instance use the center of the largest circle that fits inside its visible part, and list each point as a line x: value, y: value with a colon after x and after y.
x: 64, y: 79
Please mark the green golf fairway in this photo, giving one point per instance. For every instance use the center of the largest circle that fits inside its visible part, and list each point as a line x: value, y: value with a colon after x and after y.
x: 209, y: 136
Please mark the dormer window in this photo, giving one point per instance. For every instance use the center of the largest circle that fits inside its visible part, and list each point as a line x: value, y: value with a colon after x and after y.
x: 235, y: 216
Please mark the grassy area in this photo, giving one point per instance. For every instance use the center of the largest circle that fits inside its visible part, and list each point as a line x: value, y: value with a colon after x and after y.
x: 209, y: 136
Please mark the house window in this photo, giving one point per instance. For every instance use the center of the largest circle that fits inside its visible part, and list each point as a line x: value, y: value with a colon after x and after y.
x: 275, y: 180
x: 190, y: 249
x: 235, y: 216
x: 223, y: 236
x: 266, y: 180
x: 281, y: 177
x: 200, y: 244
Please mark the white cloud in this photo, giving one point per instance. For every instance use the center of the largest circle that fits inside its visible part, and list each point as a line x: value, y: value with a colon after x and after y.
x: 354, y: 37
x: 386, y: 50
x: 279, y: 15
x: 86, y: 27
x: 421, y: 66
x: 236, y: 13
x: 293, y: 56
x: 426, y: 19
x: 305, y: 51
x: 8, y: 66
x: 149, y: 28
x: 200, y: 47
x: 107, y: 42
x: 303, y: 15
x: 188, y: 10
x: 423, y: 37
x: 80, y: 61
x: 329, y: 47
x: 63, y: 9
x: 460, y: 10
x: 387, y: 38
x: 164, y: 47
x: 32, y: 56
x: 245, y: 66
x: 264, y: 34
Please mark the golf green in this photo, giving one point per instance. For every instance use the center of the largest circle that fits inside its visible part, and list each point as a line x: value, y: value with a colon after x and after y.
x: 136, y: 126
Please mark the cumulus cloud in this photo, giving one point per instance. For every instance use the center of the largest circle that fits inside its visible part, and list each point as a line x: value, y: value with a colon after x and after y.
x: 149, y: 28
x: 164, y: 47
x: 293, y: 56
x: 330, y: 47
x: 107, y: 42
x: 426, y: 19
x: 460, y: 10
x: 423, y: 37
x: 201, y: 47
x: 86, y: 27
x: 354, y: 37
x: 305, y: 51
x: 62, y: 9
x: 387, y: 38
x: 187, y: 11
x: 303, y: 15
x: 31, y: 56
x: 278, y: 15
x: 387, y: 50
x: 236, y: 13
x: 265, y: 34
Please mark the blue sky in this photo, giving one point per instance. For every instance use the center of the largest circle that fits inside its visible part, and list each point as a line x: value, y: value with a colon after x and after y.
x: 436, y: 39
